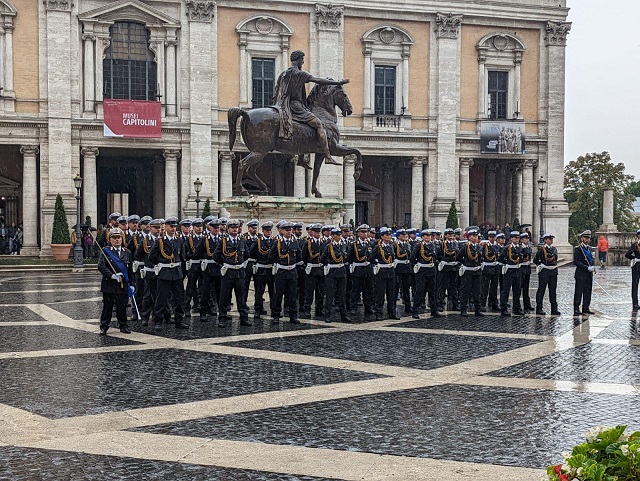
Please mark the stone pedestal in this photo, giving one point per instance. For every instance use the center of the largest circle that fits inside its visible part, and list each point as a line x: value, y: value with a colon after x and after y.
x: 607, y: 211
x: 274, y: 208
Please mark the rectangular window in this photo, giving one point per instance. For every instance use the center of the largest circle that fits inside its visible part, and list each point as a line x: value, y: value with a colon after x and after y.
x: 385, y: 85
x: 498, y: 91
x: 262, y: 76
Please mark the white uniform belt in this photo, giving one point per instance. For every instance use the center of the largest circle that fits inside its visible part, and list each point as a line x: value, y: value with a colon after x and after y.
x: 334, y: 266
x: 634, y: 261
x: 205, y: 262
x: 420, y: 265
x: 299, y: 263
x: 264, y: 266
x: 489, y: 264
x: 235, y: 266
x: 385, y: 266
x: 444, y: 263
x: 251, y: 260
x: 548, y: 267
x: 172, y: 265
x: 474, y: 269
x: 401, y: 261
x: 286, y: 268
x: 512, y: 266
x: 360, y: 264
x: 136, y: 265
x: 314, y: 265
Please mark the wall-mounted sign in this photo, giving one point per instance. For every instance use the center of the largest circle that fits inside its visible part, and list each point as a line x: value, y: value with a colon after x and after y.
x: 132, y: 119
x: 502, y: 138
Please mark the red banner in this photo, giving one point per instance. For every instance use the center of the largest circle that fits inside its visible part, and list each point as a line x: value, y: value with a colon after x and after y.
x: 132, y: 119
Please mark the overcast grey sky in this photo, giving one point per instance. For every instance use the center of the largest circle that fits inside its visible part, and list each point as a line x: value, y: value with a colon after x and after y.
x: 603, y: 91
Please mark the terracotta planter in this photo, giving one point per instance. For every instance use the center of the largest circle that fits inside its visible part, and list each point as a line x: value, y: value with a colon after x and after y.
x: 61, y: 251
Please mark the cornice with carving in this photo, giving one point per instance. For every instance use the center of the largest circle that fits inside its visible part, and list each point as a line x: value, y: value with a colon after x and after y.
x: 329, y: 17
x: 557, y: 33
x: 200, y: 10
x: 448, y: 25
x: 62, y: 5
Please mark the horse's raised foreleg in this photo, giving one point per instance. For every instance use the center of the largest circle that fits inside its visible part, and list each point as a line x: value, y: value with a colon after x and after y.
x: 316, y: 172
x: 342, y: 150
x: 248, y: 161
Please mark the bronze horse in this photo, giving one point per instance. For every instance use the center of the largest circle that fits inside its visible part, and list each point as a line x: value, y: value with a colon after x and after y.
x: 260, y: 128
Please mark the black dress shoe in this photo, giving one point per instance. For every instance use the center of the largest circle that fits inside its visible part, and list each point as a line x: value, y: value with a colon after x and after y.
x: 145, y: 322
x: 540, y: 313
x: 556, y: 313
x: 180, y: 325
x: 587, y: 311
x: 576, y: 313
x: 394, y: 317
x: 378, y: 317
x: 204, y: 318
x: 246, y: 323
x: 415, y: 315
x: 346, y: 319
x: 504, y: 313
x: 294, y: 321
x: 222, y: 323
x: 464, y: 313
x: 158, y: 328
x: 125, y: 330
x: 328, y: 320
x: 103, y: 331
x: 479, y: 313
x: 519, y: 312
x: 275, y: 320
x: 436, y: 314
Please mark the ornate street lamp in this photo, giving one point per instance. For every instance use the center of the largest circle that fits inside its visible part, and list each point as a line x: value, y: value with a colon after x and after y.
x: 541, y: 183
x: 77, y: 249
x: 197, y: 185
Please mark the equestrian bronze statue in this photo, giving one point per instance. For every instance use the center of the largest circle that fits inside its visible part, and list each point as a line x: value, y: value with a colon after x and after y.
x: 295, y: 125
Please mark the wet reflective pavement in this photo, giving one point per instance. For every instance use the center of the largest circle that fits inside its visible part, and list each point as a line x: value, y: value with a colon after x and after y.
x: 448, y: 398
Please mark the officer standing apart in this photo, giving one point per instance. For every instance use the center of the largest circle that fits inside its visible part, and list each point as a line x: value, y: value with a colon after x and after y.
x: 634, y: 255
x: 335, y: 277
x: 284, y: 255
x: 511, y: 260
x: 231, y: 253
x: 470, y: 258
x: 547, y: 261
x: 166, y: 255
x: 585, y: 266
x: 115, y: 266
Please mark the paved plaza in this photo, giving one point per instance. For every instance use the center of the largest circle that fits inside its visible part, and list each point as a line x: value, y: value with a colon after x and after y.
x: 432, y: 399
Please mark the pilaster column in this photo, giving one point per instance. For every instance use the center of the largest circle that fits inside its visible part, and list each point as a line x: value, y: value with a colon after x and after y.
x: 465, y: 165
x: 405, y: 78
x: 516, y: 88
x: 30, y: 199
x: 329, y: 36
x: 368, y: 109
x: 417, y: 191
x: 226, y: 174
x: 101, y: 44
x: 528, y: 193
x: 89, y: 80
x: 490, y: 194
x: 447, y: 52
x: 387, y: 200
x: 171, y: 78
x: 482, y: 100
x: 349, y: 186
x: 245, y: 81
x: 516, y: 193
x: 171, y: 201
x: 8, y: 64
x: 90, y: 184
x: 299, y: 178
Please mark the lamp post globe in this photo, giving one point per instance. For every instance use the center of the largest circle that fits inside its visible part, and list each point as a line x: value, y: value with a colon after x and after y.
x: 77, y: 248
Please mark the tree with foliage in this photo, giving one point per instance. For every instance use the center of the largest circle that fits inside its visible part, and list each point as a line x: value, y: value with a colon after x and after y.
x: 516, y: 224
x: 60, y: 234
x: 634, y: 187
x: 452, y: 219
x: 584, y: 181
x: 425, y: 224
x: 206, y: 210
x: 87, y: 220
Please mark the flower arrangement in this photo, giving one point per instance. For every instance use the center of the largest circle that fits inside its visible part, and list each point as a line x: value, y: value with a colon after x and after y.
x: 607, y: 455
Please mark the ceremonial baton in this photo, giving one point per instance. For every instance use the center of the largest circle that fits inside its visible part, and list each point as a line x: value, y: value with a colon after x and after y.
x: 603, y: 289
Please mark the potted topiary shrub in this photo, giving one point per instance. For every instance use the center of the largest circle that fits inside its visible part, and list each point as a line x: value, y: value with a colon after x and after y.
x: 60, y: 238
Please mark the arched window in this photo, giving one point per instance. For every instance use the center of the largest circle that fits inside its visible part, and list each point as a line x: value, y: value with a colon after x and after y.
x: 130, y: 71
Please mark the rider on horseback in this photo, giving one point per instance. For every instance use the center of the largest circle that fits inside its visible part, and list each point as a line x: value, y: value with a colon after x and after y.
x: 290, y: 99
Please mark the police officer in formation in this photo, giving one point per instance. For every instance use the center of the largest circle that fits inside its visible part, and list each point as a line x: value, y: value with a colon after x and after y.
x: 329, y: 270
x: 633, y: 254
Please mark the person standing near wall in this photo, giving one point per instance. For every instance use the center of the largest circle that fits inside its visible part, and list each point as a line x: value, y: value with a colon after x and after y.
x: 603, y: 248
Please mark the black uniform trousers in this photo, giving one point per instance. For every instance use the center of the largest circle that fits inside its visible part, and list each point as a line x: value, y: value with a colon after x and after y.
x: 449, y: 284
x: 471, y: 289
x: 287, y: 288
x: 510, y: 281
x: 301, y: 285
x: 165, y: 291
x: 525, y: 279
x: 403, y: 282
x: 635, y: 280
x: 228, y: 286
x: 120, y: 301
x: 315, y: 286
x: 210, y: 295
x: 149, y: 297
x: 490, y: 290
x: 385, y: 286
x: 362, y: 285
x: 336, y: 290
x: 248, y: 274
x: 260, y: 283
x: 194, y: 288
x: 582, y: 293
x: 544, y: 281
x: 425, y: 284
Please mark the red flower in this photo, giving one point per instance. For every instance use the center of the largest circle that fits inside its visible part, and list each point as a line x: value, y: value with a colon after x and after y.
x: 564, y: 477
x: 558, y: 469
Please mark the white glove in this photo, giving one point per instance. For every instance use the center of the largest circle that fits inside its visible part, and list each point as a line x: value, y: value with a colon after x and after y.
x: 116, y: 277
x: 591, y: 268
x: 133, y: 289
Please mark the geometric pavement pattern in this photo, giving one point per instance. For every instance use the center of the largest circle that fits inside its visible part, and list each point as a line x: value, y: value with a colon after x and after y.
x: 445, y: 398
